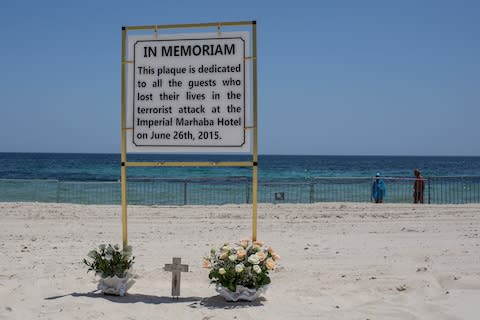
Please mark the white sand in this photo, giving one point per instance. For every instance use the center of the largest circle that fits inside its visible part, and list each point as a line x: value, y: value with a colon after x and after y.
x: 339, y: 261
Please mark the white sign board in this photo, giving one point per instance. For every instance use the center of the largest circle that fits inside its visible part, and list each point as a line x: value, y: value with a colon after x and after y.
x: 188, y: 93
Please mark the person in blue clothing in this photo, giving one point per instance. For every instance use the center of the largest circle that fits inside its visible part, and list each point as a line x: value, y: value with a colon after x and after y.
x: 379, y: 191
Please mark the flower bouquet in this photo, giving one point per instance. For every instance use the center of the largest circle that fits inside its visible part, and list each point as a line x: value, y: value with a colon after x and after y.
x: 113, y: 266
x: 241, y: 271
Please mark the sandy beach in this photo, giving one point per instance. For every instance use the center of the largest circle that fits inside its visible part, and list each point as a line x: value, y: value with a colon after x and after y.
x: 339, y: 261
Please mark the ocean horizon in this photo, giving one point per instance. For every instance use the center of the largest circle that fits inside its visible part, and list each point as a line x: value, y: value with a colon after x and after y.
x: 106, y: 166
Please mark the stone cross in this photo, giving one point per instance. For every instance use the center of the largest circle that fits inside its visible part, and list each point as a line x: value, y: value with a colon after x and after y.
x: 176, y: 268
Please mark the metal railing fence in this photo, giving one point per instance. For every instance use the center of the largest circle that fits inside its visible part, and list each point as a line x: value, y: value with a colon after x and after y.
x: 237, y: 190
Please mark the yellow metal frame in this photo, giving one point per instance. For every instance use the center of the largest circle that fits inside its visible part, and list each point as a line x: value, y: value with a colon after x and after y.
x: 125, y: 163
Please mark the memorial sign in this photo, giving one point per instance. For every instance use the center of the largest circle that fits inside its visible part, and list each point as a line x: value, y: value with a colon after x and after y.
x: 188, y: 93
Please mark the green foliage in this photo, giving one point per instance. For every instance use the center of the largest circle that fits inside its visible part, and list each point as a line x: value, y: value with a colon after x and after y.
x: 109, y: 261
x: 242, y: 264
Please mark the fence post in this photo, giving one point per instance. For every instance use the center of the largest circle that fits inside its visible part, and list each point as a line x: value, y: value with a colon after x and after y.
x: 369, y: 193
x: 58, y: 192
x: 312, y: 192
x: 428, y: 188
x: 245, y: 182
x: 247, y: 188
x: 184, y: 192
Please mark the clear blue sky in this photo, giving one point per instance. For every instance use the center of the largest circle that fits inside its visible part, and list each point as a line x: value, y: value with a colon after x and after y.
x: 335, y: 77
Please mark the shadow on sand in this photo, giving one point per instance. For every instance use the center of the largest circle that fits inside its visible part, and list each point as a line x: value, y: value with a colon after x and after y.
x: 218, y: 302
x: 129, y: 298
x: 214, y: 302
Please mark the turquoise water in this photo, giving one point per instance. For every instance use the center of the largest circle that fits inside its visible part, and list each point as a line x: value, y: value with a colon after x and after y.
x: 94, y: 179
x: 106, y: 167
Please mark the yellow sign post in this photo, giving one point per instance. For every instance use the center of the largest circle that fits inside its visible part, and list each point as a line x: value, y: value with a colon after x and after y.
x: 171, y: 77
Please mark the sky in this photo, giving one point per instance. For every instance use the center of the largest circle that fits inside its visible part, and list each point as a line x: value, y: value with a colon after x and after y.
x: 334, y: 77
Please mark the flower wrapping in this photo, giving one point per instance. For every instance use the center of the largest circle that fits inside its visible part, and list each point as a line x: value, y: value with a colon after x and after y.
x: 242, y: 293
x: 115, y: 285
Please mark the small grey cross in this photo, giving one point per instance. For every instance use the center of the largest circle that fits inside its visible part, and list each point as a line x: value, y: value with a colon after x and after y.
x: 176, y: 268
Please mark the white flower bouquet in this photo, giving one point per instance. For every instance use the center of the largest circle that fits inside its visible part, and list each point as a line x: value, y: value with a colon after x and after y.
x: 242, y: 266
x: 113, y: 266
x: 109, y: 261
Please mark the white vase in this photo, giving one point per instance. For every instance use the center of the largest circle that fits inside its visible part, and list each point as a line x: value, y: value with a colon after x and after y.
x: 115, y: 285
x: 242, y: 293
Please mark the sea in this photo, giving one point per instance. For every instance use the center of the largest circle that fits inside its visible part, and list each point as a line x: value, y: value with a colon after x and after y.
x: 94, y: 179
x: 106, y: 167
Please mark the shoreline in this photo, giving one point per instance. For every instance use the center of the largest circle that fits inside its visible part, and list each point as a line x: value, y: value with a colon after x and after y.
x: 339, y: 260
